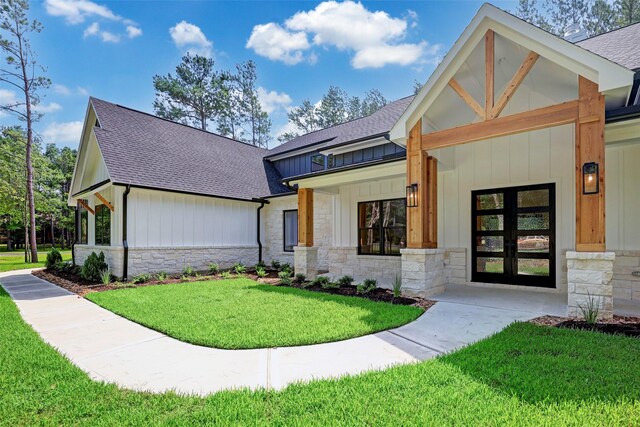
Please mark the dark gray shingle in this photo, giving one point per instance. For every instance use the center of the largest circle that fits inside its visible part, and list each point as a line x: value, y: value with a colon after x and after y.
x: 621, y: 46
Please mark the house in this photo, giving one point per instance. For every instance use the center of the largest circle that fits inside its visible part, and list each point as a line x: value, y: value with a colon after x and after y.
x: 494, y: 174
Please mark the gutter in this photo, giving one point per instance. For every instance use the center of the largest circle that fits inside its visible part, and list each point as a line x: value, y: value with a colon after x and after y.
x: 125, y: 244
x: 76, y: 219
x: 262, y: 203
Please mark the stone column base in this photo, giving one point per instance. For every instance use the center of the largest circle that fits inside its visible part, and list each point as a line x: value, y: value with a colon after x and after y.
x: 422, y: 271
x: 589, y: 277
x: 306, y: 261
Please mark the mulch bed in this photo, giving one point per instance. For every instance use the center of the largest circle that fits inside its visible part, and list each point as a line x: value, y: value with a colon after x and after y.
x: 74, y: 283
x: 619, y: 325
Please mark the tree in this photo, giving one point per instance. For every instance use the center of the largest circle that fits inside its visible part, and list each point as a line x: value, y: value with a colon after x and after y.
x: 627, y: 12
x: 563, y: 13
x: 602, y: 18
x: 194, y: 96
x: 255, y: 121
x: 528, y: 10
x: 58, y: 163
x: 13, y: 182
x: 22, y: 72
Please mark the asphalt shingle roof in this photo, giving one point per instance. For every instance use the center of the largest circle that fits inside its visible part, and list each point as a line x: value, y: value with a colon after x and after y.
x: 377, y: 123
x: 621, y: 46
x: 144, y: 150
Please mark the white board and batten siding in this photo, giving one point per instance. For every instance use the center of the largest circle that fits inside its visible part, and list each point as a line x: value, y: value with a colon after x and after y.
x: 622, y: 174
x: 159, y: 219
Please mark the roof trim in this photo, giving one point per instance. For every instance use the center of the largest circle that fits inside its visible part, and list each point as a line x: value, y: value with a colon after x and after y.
x: 145, y: 187
x: 607, y: 74
x: 91, y: 188
x: 362, y: 165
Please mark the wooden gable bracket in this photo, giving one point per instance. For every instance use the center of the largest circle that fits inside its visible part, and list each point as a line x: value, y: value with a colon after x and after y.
x: 491, y: 108
x: 86, y: 206
x: 105, y: 201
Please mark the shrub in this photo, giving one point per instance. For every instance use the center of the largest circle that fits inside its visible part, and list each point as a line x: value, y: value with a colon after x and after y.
x: 214, y: 268
x: 330, y: 285
x: 188, y: 271
x: 345, y: 281
x: 275, y: 264
x: 141, y: 278
x: 286, y: 267
x: 285, y: 277
x: 65, y: 266
x: 226, y: 275
x: 397, y: 286
x: 367, y: 286
x: 300, y: 278
x: 321, y: 281
x: 93, y: 267
x: 590, y: 310
x: 105, y: 277
x: 260, y: 271
x: 261, y: 264
x: 161, y: 276
x: 53, y: 257
x: 239, y: 268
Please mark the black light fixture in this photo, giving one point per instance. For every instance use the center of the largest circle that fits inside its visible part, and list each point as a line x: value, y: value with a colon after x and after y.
x: 412, y: 195
x: 590, y: 178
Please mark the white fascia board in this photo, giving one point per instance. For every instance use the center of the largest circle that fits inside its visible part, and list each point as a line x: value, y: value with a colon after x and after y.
x: 369, y: 173
x: 355, y: 146
x: 81, y: 150
x: 303, y: 150
x: 609, y: 75
x: 622, y: 131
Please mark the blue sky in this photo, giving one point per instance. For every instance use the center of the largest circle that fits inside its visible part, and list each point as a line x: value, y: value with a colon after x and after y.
x: 112, y: 49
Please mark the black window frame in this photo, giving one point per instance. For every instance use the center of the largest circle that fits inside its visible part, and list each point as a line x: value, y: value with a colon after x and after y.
x: 101, y: 236
x: 315, y: 165
x: 284, y: 229
x: 381, y: 228
x: 83, y: 225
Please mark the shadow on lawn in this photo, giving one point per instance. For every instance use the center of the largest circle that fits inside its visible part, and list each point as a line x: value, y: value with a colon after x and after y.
x: 543, y: 364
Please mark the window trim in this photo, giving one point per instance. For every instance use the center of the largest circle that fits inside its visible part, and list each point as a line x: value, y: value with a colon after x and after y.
x: 284, y: 231
x: 101, y: 207
x: 320, y: 167
x: 380, y: 228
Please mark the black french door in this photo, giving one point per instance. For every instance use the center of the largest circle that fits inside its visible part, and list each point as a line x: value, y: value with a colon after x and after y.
x: 513, y: 235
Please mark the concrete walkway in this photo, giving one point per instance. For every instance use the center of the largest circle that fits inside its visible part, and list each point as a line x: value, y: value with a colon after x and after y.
x: 112, y: 349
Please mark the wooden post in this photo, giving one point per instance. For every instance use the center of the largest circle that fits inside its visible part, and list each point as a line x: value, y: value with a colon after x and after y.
x: 305, y: 217
x: 590, y: 208
x: 489, y: 63
x: 422, y: 228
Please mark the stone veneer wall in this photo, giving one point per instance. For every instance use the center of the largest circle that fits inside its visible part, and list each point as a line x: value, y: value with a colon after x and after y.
x: 589, y: 277
x: 346, y: 261
x: 626, y: 285
x: 455, y: 266
x: 171, y: 259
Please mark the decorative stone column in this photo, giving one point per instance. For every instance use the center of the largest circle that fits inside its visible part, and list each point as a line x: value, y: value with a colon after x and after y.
x: 589, y: 276
x: 306, y: 261
x: 422, y: 271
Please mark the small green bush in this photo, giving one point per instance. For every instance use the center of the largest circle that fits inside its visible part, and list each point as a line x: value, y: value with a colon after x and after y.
x: 214, y: 268
x: 345, y: 281
x: 330, y: 285
x: 53, y: 257
x: 226, y: 275
x: 93, y: 266
x: 590, y: 310
x: 239, y: 268
x: 397, y: 286
x: 300, y: 278
x: 161, y: 276
x: 261, y: 264
x: 141, y: 278
x: 275, y: 264
x: 105, y: 277
x: 188, y: 271
x: 285, y: 277
x: 65, y: 266
x: 260, y: 271
x: 367, y: 286
x: 286, y: 267
x: 321, y: 281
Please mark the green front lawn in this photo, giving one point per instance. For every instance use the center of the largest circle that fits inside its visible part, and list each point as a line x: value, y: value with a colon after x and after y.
x: 10, y: 261
x: 241, y: 313
x: 525, y: 375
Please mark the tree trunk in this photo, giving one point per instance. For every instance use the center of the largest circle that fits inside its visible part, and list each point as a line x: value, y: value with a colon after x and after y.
x: 53, y: 236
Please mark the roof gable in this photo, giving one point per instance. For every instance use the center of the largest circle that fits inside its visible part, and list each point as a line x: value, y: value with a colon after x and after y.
x: 612, y: 79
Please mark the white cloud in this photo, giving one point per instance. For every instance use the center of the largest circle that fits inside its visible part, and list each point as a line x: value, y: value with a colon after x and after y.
x: 191, y: 37
x: 374, y: 36
x: 272, y: 101
x: 133, y: 31
x: 52, y: 107
x: 76, y: 11
x: 64, y: 132
x: 276, y: 43
x: 61, y: 89
x: 8, y: 97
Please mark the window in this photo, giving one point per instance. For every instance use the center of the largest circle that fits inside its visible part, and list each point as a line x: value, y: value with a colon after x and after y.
x: 83, y: 225
x: 382, y: 228
x: 317, y: 163
x: 103, y: 225
x: 290, y: 230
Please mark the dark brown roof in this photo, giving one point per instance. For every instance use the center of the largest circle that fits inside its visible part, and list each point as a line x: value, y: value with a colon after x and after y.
x: 377, y: 123
x: 144, y: 150
x: 621, y: 46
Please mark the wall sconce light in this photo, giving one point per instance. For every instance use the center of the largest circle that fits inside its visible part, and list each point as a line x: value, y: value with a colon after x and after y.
x: 590, y: 178
x: 412, y: 195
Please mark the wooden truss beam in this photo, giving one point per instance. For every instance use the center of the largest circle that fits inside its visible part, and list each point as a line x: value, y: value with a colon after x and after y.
x: 471, y: 102
x: 86, y: 206
x: 489, y: 66
x: 104, y: 201
x: 513, y: 85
